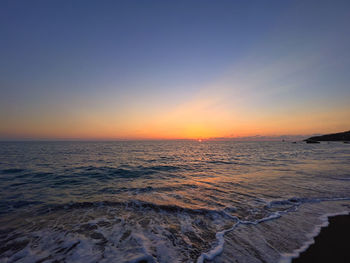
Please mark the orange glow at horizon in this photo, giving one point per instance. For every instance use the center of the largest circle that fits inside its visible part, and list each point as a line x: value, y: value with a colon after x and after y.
x: 195, y: 119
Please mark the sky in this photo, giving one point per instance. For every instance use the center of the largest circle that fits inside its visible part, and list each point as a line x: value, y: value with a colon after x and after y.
x: 173, y: 69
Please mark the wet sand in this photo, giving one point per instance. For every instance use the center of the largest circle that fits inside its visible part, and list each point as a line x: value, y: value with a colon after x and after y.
x: 331, y: 245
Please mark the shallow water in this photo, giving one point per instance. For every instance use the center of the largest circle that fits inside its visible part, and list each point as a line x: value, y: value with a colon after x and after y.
x: 165, y: 201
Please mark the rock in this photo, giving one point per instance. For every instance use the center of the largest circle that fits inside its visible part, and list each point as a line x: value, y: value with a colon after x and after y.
x: 341, y: 136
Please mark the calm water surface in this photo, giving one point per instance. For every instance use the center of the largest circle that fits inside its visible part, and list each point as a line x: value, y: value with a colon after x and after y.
x: 165, y: 201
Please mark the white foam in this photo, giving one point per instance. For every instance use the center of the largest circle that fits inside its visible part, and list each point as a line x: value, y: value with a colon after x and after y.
x: 217, y: 250
x: 274, y: 215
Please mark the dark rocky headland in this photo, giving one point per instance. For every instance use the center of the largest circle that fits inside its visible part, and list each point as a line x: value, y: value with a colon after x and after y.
x: 340, y: 136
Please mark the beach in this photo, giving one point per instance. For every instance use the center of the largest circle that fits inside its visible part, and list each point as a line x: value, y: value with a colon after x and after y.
x: 331, y: 245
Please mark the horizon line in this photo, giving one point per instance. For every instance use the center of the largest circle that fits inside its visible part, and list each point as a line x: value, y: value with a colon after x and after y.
x: 238, y: 138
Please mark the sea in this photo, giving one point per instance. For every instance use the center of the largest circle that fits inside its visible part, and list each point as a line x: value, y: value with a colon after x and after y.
x: 167, y: 201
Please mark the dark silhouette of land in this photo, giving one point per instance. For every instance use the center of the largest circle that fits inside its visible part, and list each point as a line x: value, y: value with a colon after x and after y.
x: 331, y: 245
x: 341, y: 136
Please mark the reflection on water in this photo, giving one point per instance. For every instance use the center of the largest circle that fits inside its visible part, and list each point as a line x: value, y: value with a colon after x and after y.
x: 161, y: 201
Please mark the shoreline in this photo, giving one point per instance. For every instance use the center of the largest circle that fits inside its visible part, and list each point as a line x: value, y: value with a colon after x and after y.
x: 331, y: 243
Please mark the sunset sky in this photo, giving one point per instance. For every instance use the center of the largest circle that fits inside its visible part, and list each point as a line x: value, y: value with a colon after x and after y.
x: 173, y: 69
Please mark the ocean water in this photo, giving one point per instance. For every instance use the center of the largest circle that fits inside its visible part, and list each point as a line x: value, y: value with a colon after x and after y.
x: 167, y: 201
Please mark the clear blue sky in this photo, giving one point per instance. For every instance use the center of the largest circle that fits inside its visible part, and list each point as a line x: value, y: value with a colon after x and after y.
x: 127, y: 69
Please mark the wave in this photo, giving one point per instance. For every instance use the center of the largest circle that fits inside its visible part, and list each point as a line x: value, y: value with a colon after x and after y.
x: 12, y: 171
x: 95, y: 230
x: 299, y: 201
x: 287, y: 205
x: 136, y: 205
x: 218, y: 246
x: 104, y: 172
x: 7, y: 206
x: 342, y: 179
